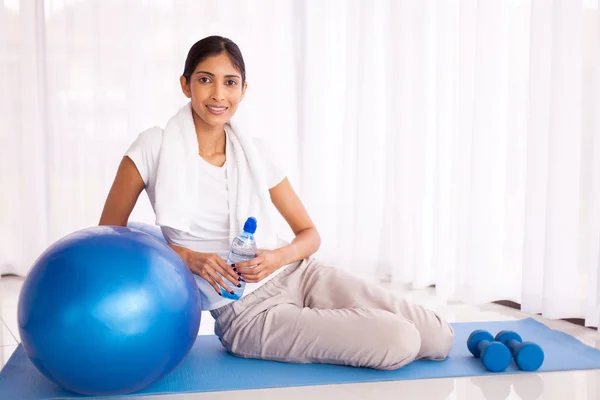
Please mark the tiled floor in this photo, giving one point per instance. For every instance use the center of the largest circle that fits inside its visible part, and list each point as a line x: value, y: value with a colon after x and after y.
x: 574, y: 385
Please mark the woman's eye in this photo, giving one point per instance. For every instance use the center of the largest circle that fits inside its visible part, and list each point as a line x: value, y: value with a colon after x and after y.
x: 231, y: 82
x: 204, y: 79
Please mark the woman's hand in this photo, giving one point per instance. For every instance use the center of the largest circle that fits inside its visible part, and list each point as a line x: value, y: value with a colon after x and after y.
x: 206, y: 265
x: 261, y: 266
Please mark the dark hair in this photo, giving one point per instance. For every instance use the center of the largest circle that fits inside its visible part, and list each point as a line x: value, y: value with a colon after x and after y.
x: 211, y: 46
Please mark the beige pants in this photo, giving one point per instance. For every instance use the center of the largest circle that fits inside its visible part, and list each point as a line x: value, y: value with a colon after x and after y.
x: 314, y: 313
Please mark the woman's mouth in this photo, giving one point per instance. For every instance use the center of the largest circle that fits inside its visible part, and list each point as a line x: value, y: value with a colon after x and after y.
x: 216, y: 110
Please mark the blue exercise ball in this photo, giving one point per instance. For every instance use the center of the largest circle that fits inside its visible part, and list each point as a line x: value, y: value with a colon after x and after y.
x: 153, y: 230
x: 108, y: 310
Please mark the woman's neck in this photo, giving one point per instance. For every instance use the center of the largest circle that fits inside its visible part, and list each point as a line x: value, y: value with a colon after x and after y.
x: 211, y: 139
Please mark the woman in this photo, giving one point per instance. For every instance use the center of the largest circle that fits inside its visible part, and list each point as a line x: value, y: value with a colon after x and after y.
x: 294, y: 308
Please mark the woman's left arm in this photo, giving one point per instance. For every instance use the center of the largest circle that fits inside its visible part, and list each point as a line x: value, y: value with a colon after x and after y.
x: 306, y: 241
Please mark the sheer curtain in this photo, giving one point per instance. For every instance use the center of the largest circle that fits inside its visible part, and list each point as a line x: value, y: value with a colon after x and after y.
x: 454, y: 143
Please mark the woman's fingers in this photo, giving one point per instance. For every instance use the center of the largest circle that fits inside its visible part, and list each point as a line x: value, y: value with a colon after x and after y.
x: 211, y: 282
x: 252, y: 275
x: 227, y: 271
x: 220, y: 281
x: 254, y: 279
x: 249, y: 271
x: 250, y: 263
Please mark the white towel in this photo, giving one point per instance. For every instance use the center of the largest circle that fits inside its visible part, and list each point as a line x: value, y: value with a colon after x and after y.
x: 177, y: 188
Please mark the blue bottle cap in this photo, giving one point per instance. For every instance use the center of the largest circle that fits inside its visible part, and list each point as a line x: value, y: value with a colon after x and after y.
x: 250, y: 225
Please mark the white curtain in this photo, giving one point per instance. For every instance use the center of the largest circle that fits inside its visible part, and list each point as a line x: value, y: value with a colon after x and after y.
x: 81, y: 79
x: 454, y: 143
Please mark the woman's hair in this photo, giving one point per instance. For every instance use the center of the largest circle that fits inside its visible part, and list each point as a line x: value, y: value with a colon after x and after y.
x: 211, y: 46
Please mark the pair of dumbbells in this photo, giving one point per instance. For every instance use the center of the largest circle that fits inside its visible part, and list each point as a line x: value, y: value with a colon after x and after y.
x: 496, y: 353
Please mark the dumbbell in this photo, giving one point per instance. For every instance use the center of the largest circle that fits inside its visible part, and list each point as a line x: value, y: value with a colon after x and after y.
x: 528, y: 355
x: 494, y: 355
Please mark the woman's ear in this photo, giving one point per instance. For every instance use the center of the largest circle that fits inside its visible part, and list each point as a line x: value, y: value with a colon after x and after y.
x: 185, y: 88
x: 244, y: 90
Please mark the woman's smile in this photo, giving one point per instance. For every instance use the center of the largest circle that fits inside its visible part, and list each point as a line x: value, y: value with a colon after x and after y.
x: 216, y: 110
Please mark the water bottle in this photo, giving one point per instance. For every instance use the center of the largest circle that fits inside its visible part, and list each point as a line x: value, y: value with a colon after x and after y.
x: 243, y: 248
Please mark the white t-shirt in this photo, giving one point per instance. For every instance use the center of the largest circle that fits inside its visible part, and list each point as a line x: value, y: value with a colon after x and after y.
x: 212, y: 221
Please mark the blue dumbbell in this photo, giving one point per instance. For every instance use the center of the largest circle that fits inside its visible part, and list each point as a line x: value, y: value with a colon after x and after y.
x: 528, y: 355
x: 494, y: 355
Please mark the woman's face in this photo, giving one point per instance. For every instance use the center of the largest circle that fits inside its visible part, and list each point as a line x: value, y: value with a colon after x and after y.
x: 215, y: 89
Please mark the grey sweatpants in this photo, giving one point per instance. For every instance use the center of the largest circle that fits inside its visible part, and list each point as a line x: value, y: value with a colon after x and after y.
x: 314, y: 313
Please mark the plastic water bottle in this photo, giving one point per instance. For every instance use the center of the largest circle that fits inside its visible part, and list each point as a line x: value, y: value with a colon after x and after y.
x: 243, y: 248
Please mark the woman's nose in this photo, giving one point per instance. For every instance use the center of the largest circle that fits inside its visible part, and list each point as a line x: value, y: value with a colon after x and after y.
x: 217, y: 93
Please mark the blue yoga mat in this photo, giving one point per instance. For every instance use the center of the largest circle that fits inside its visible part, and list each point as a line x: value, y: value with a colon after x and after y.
x: 208, y: 367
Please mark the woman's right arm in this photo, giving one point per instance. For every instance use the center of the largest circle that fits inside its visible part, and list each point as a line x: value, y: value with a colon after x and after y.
x: 123, y: 195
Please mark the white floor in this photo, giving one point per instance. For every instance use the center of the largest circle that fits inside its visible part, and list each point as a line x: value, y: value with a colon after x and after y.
x: 558, y: 385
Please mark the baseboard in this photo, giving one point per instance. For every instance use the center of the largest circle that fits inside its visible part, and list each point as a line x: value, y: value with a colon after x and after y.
x: 517, y: 306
